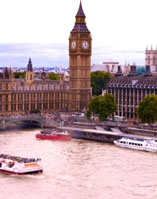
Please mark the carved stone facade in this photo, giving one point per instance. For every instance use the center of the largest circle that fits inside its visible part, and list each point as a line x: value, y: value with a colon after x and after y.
x: 80, y: 63
x: 24, y: 95
x: 151, y: 59
x: 129, y: 90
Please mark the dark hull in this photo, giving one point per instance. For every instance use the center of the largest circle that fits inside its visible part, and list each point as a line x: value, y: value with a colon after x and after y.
x: 24, y: 173
x: 94, y: 137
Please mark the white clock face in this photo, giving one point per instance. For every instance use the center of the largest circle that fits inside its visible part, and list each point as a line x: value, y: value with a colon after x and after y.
x: 73, y: 44
x: 85, y: 44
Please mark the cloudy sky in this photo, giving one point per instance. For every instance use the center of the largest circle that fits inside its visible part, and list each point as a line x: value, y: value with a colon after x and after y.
x: 39, y: 29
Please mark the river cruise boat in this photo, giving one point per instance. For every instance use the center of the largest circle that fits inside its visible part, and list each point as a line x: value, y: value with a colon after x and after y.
x: 53, y: 135
x: 17, y: 165
x: 140, y: 144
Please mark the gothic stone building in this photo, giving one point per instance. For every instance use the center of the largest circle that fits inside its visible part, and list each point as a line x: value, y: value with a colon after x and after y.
x: 24, y: 95
x: 129, y: 90
x: 151, y: 59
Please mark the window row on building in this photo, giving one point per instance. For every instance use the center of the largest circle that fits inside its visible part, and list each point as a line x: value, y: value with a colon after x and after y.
x: 129, y: 90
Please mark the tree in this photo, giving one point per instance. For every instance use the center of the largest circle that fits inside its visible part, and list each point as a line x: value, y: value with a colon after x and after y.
x: 23, y: 74
x: 99, y: 79
x: 34, y: 111
x: 102, y: 106
x: 53, y: 76
x: 19, y: 74
x: 147, y: 110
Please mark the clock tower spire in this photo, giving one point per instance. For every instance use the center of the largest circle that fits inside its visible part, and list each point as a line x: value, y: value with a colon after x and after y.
x: 80, y: 63
x: 80, y: 12
x: 80, y: 21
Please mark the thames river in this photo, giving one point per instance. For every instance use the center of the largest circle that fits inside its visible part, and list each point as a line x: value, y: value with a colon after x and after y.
x: 78, y: 169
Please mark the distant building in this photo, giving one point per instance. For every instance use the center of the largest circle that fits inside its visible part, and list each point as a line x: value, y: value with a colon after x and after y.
x: 130, y: 89
x: 151, y: 59
x: 140, y: 69
x: 110, y: 66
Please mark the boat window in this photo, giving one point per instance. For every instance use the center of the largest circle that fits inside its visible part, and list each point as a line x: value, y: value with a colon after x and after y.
x: 45, y: 132
x: 0, y: 164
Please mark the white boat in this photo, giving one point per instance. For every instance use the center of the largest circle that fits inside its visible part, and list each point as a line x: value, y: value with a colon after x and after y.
x: 140, y: 144
x: 17, y: 165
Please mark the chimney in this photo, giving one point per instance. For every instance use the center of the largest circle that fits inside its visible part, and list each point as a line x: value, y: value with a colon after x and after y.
x: 119, y: 72
x: 148, y: 68
x: 132, y: 71
x: 148, y: 72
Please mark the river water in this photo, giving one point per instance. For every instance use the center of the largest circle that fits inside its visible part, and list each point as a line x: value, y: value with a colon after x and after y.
x: 78, y: 169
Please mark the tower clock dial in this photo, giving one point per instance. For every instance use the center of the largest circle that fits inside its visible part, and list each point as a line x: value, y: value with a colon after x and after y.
x: 85, y: 45
x: 73, y: 44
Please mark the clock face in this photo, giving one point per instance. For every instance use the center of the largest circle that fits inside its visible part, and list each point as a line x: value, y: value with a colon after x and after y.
x: 85, y: 45
x: 73, y: 44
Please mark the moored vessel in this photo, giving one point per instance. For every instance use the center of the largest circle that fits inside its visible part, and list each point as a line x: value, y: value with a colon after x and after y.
x: 95, y: 135
x: 53, y: 135
x: 20, y: 166
x: 139, y: 144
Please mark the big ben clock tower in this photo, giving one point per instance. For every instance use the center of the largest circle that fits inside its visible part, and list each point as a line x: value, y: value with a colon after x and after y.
x: 80, y: 48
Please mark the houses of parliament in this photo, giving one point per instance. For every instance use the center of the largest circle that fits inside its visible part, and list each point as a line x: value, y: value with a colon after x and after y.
x: 24, y: 95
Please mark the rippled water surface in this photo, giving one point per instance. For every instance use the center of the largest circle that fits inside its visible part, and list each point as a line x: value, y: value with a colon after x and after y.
x: 78, y: 169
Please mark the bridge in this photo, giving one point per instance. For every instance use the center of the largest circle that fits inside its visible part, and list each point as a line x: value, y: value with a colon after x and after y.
x: 43, y: 120
x: 6, y: 120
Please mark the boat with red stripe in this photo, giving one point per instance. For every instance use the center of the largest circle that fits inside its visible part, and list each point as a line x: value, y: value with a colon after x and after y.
x: 53, y: 135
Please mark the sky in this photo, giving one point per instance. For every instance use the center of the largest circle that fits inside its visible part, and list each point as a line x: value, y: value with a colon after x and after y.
x: 121, y: 30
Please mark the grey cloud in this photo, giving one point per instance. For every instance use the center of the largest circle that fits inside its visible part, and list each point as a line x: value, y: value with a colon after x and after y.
x: 49, y: 55
x: 101, y: 54
x: 43, y: 55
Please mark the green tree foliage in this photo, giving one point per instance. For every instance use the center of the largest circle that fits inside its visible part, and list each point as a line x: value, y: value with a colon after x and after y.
x: 147, y: 110
x: 19, y: 74
x: 102, y: 106
x: 53, y: 76
x: 99, y: 79
x: 35, y: 111
x: 23, y: 74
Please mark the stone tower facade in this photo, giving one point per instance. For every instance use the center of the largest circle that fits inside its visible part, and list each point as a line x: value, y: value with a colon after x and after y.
x: 29, y: 72
x: 151, y: 59
x: 80, y: 47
